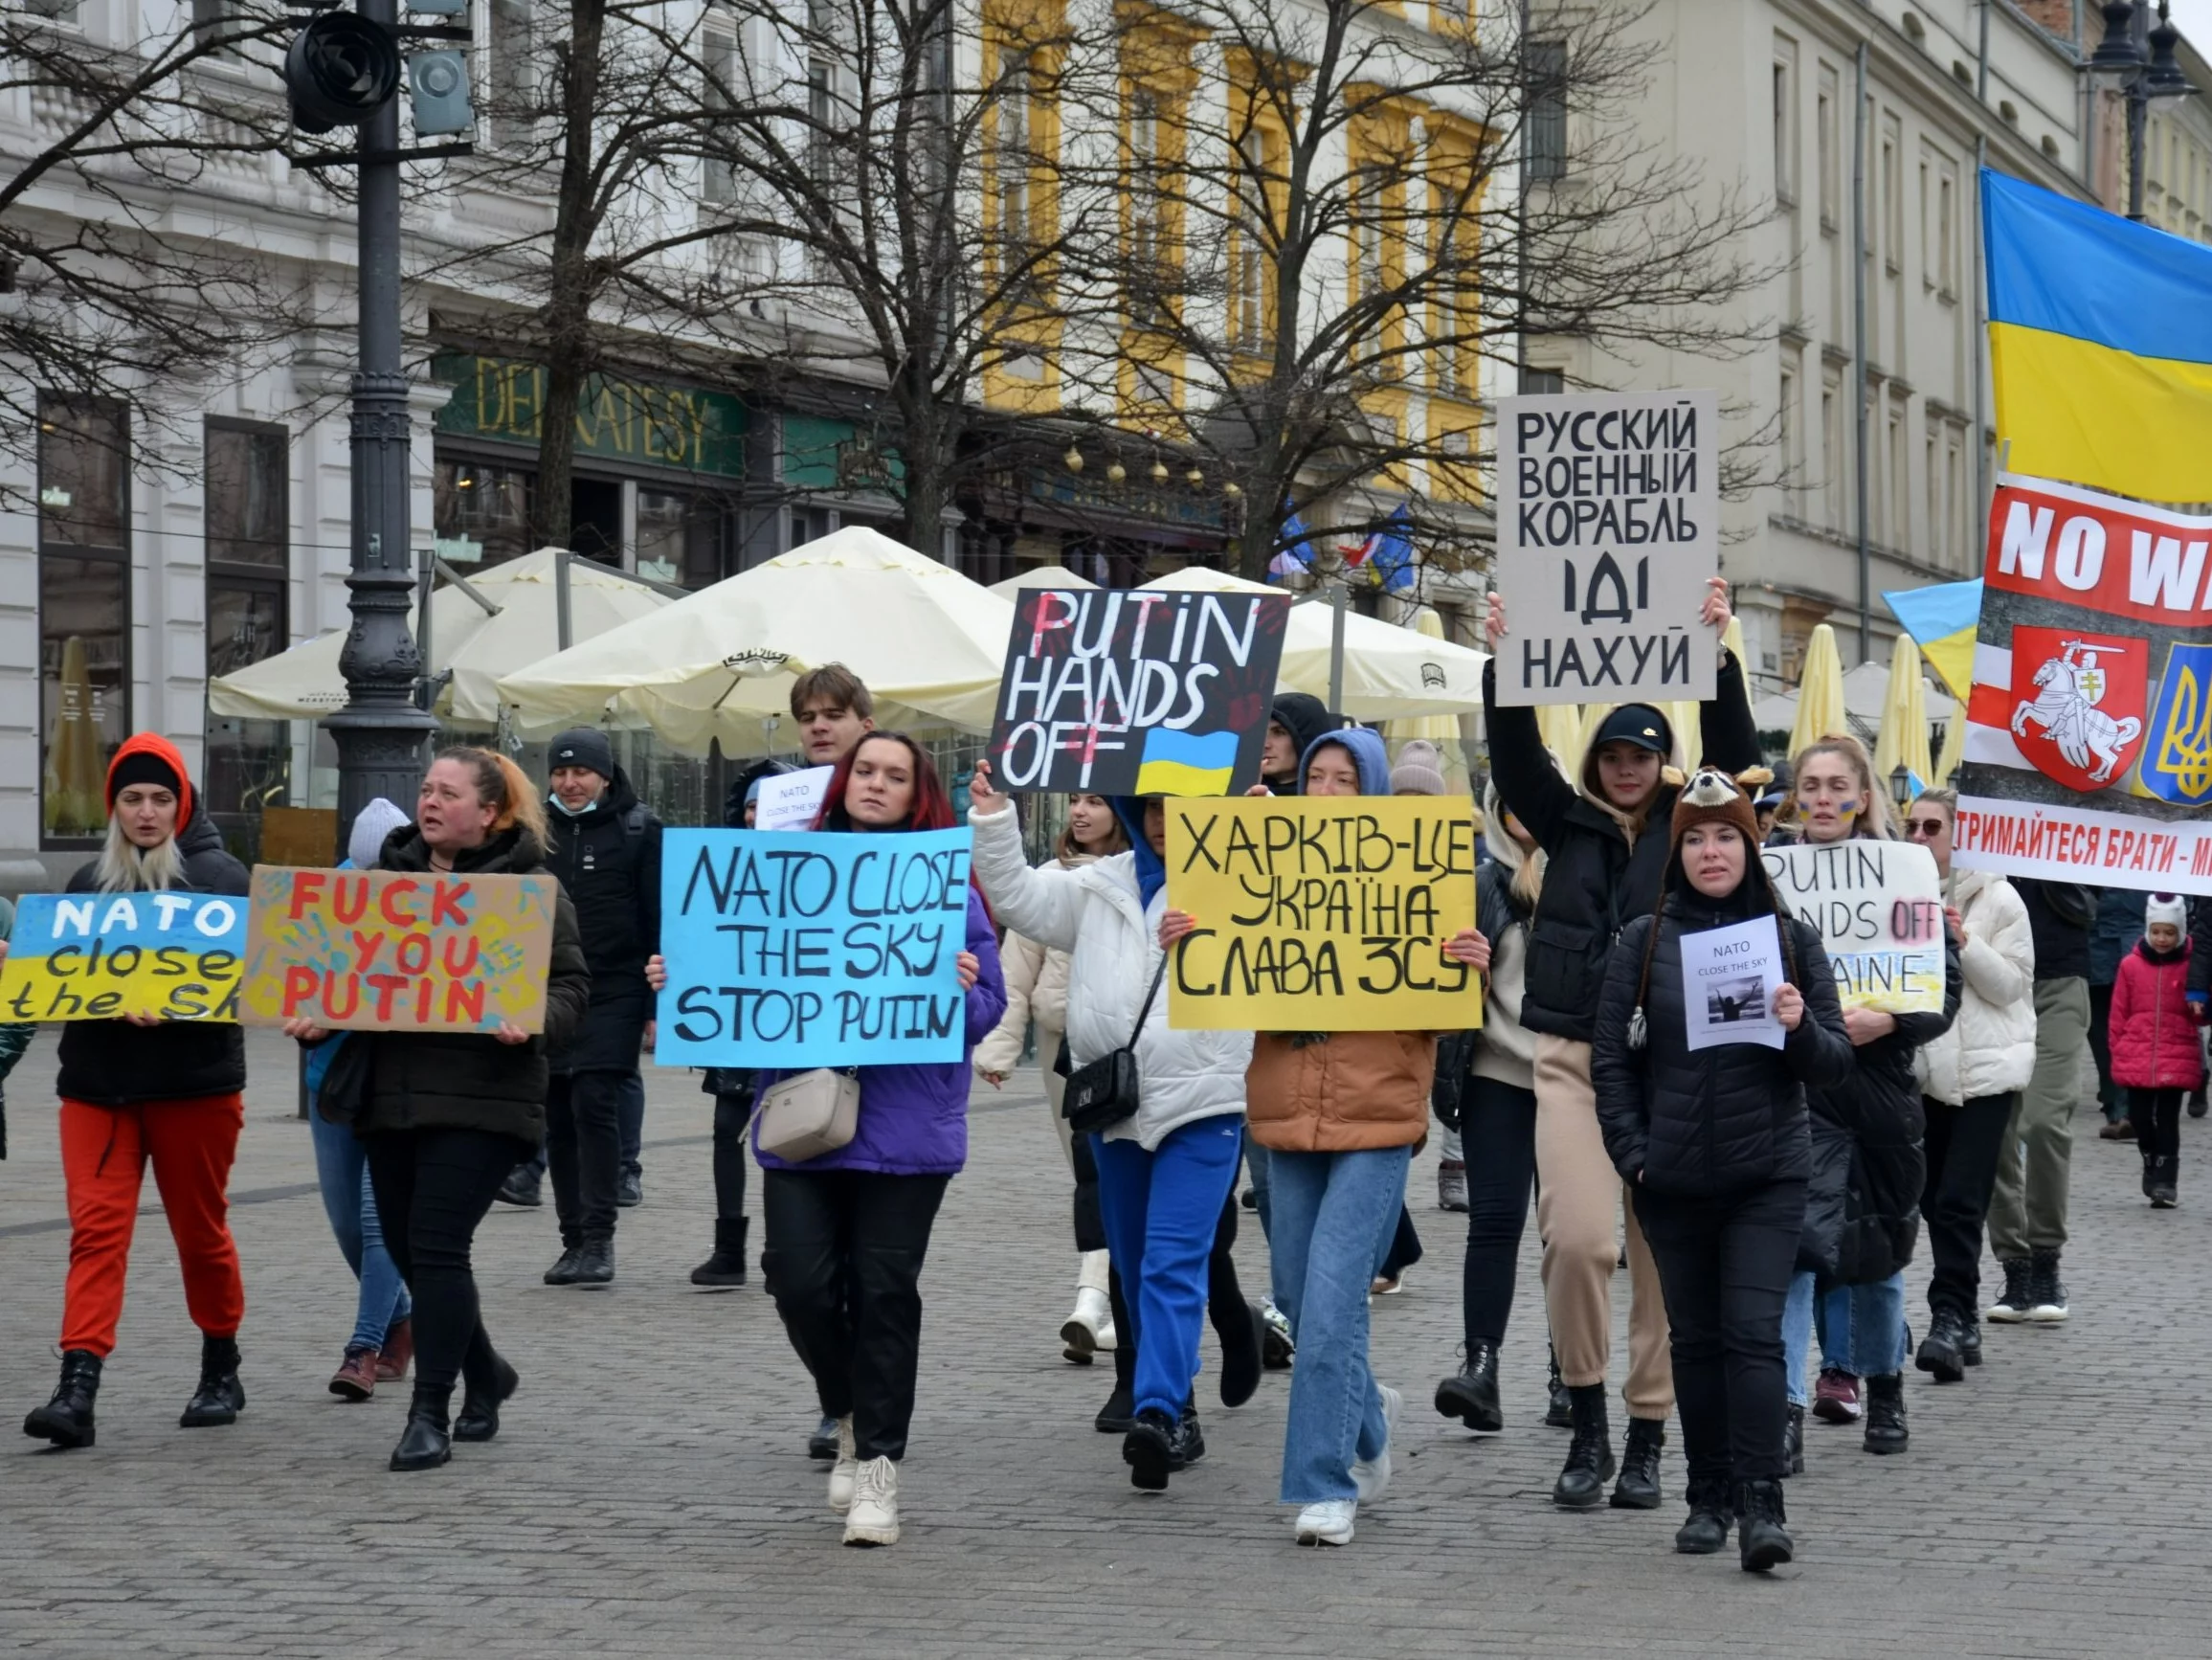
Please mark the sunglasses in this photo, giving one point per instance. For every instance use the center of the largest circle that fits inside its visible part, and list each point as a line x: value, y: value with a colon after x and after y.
x: 1926, y: 826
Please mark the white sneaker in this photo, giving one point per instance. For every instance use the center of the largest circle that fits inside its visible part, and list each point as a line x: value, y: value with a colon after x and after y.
x: 1327, y: 1523
x: 874, y: 1518
x: 847, y: 1465
x: 1372, y: 1475
x: 1081, y: 1330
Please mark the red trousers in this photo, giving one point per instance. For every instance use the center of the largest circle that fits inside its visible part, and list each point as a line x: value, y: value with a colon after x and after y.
x: 105, y: 1152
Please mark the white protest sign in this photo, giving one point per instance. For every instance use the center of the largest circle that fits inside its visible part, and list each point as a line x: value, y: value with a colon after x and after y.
x: 1878, y: 909
x: 1608, y: 526
x: 1728, y: 975
x: 790, y: 801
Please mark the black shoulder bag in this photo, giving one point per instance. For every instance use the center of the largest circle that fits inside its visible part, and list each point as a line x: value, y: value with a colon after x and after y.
x: 1103, y: 1092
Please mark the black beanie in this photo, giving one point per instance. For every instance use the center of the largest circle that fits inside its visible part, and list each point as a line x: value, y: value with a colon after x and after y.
x: 143, y: 766
x: 582, y: 747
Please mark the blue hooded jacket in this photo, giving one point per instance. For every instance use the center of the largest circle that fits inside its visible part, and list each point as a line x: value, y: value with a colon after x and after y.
x: 1368, y: 756
x: 1152, y: 869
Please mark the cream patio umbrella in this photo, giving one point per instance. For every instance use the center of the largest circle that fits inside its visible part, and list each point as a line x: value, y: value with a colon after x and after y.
x: 1389, y: 672
x: 475, y: 645
x: 1820, y: 690
x: 719, y: 663
x: 1902, y: 739
x: 1043, y: 577
x: 1441, y: 731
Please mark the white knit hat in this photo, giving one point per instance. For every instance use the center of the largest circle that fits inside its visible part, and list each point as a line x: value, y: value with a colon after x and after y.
x: 371, y: 825
x: 2167, y: 907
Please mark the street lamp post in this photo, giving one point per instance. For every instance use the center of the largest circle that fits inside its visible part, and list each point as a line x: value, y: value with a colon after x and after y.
x: 2136, y: 58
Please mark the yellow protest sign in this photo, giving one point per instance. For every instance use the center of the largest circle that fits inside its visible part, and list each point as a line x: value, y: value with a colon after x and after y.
x: 98, y: 956
x: 1322, y: 913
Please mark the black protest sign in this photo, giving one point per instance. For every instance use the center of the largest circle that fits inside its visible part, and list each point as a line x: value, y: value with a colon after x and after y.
x: 1137, y: 692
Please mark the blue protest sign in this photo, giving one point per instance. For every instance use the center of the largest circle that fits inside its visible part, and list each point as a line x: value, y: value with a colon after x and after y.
x: 96, y: 956
x: 811, y: 948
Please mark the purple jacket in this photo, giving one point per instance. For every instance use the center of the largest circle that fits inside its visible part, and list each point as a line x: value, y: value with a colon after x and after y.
x: 914, y: 1120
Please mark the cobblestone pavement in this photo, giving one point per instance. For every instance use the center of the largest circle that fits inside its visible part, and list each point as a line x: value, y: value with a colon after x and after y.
x: 648, y: 1492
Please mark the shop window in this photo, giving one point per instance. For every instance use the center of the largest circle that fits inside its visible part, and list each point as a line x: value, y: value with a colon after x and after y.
x: 679, y: 538
x: 249, y: 547
x: 481, y: 512
x: 83, y: 608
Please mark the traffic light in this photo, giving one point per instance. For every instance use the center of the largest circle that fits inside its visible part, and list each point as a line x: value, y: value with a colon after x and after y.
x: 441, y: 92
x: 341, y: 70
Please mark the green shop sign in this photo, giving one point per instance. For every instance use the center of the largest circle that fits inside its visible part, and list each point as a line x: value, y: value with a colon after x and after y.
x: 637, y: 423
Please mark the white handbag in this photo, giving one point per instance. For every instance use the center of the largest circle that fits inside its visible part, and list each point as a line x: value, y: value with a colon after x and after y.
x: 809, y: 1114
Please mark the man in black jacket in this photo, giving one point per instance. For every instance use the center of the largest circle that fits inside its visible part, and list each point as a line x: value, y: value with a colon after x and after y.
x: 606, y: 850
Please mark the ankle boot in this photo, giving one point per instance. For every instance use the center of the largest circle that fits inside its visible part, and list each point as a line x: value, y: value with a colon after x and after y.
x: 220, y: 1396
x: 479, y: 1407
x: 424, y: 1443
x: 1942, y: 1352
x: 595, y: 1261
x: 1794, y: 1441
x: 1581, y: 1483
x: 2047, y: 1292
x: 1762, y: 1541
x: 1470, y: 1394
x: 1707, y: 1529
x: 66, y: 1420
x: 727, y: 1265
x: 1558, y: 1410
x: 1886, y: 1430
x: 1639, y: 1485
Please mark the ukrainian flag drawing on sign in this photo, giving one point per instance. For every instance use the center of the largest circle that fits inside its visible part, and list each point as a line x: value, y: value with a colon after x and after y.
x: 2100, y: 339
x: 1186, y: 763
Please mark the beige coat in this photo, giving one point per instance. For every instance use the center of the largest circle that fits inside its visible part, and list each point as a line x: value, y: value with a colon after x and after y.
x: 1036, y: 990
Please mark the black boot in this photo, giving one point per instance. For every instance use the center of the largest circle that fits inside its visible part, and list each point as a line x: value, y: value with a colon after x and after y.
x: 1707, y: 1530
x: 1581, y: 1483
x: 2047, y: 1292
x: 2161, y: 1182
x: 1190, y: 1439
x: 727, y: 1265
x: 1885, y: 1429
x: 1470, y: 1394
x: 1942, y: 1352
x: 220, y: 1396
x: 1558, y: 1409
x: 564, y: 1271
x: 1119, y: 1412
x: 479, y: 1407
x: 521, y: 1187
x: 1794, y: 1441
x: 2017, y: 1299
x: 1638, y: 1486
x: 66, y: 1420
x: 1148, y: 1450
x: 424, y: 1443
x: 1762, y: 1541
x: 822, y: 1443
x: 595, y: 1261
x: 1243, y: 1330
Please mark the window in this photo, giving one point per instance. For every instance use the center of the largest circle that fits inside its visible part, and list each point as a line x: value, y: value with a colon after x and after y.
x: 1537, y: 381
x: 1786, y: 434
x: 1958, y: 529
x: 1785, y: 115
x: 1249, y: 298
x: 510, y: 78
x: 1947, y: 235
x: 1826, y: 141
x: 1933, y: 479
x: 1892, y: 197
x: 821, y: 135
x: 248, y: 540
x: 677, y: 538
x: 1547, y: 103
x: 83, y: 608
x: 1897, y: 527
x: 1832, y: 447
x: 1146, y: 215
x: 480, y: 513
x: 1370, y: 207
x: 61, y: 11
x: 719, y: 63
x: 1017, y: 203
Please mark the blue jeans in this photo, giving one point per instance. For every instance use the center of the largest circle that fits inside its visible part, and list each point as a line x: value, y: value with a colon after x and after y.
x: 1161, y: 1209
x: 1334, y: 1216
x: 342, y: 1167
x: 1862, y: 1329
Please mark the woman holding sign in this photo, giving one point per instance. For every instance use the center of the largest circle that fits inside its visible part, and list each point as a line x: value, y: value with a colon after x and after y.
x: 145, y: 1091
x: 1707, y: 1127
x: 446, y: 1114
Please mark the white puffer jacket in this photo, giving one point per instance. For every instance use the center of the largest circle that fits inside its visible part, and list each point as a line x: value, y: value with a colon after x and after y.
x: 1990, y: 1048
x: 1112, y: 941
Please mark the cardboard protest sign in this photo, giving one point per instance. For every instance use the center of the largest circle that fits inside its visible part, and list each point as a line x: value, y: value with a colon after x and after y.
x: 1322, y: 913
x: 1137, y: 693
x: 98, y: 956
x: 2088, y: 736
x: 396, y: 951
x: 1608, y: 525
x: 1878, y: 909
x: 790, y: 801
x: 811, y: 948
x: 1729, y: 980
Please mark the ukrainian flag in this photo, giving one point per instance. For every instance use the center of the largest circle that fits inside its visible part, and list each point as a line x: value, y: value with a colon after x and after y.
x: 2100, y: 336
x: 1186, y: 763
x: 1942, y: 619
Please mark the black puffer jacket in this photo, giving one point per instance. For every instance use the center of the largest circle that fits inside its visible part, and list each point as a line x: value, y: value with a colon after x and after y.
x: 1596, y: 882
x: 464, y: 1079
x: 608, y: 858
x: 115, y: 1064
x: 1698, y: 1123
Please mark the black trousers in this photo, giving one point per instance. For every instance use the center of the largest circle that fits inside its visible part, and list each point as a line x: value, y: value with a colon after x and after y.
x: 1498, y: 1137
x: 2111, y: 1096
x: 1963, y: 1145
x: 844, y: 1265
x: 1089, y: 1221
x: 2157, y: 1115
x: 584, y: 1150
x: 733, y: 1112
x: 433, y: 1187
x: 1725, y: 1265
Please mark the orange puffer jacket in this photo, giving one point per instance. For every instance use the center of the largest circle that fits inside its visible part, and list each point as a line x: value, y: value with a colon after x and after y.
x: 1339, y: 1092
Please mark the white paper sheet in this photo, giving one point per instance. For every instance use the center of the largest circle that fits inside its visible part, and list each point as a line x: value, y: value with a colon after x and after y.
x: 1728, y: 975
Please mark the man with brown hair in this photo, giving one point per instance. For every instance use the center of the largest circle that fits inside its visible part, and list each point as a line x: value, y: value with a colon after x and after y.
x: 833, y: 713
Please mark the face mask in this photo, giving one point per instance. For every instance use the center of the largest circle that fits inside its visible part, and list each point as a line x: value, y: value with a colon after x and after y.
x: 565, y: 810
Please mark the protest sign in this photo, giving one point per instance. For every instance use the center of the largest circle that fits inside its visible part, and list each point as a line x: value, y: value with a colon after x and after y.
x: 1608, y: 526
x: 1729, y: 977
x: 2088, y: 734
x: 790, y: 801
x: 98, y: 956
x: 399, y: 950
x: 1137, y: 693
x: 1322, y: 913
x: 811, y: 948
x: 1878, y: 909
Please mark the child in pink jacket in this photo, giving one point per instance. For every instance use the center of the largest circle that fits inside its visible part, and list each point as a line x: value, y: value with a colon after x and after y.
x: 2154, y: 1050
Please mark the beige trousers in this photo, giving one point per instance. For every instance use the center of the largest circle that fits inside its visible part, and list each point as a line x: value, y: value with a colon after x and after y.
x: 1578, y: 1196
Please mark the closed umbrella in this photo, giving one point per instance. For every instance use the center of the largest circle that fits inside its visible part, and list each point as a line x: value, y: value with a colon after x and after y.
x: 929, y: 644
x: 76, y: 766
x: 1820, y: 691
x: 1902, y: 739
x: 475, y: 645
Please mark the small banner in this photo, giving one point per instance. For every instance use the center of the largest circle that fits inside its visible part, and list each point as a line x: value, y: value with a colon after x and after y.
x: 98, y: 956
x: 1138, y: 692
x: 1878, y: 909
x: 1322, y: 913
x: 811, y: 948
x: 397, y: 951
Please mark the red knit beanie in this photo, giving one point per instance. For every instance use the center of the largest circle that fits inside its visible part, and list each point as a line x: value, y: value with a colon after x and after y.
x: 149, y: 758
